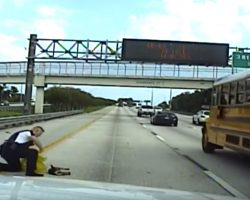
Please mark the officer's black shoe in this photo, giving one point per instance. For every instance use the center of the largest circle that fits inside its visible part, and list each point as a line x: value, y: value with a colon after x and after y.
x: 34, y: 174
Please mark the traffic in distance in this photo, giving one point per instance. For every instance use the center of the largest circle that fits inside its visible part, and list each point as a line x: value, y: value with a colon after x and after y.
x: 226, y: 124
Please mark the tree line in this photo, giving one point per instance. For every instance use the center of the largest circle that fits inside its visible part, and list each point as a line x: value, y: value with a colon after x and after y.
x: 9, y: 93
x: 66, y: 98
x: 191, y: 102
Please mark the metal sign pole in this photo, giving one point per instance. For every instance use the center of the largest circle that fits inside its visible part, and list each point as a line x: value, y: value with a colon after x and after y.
x: 30, y: 74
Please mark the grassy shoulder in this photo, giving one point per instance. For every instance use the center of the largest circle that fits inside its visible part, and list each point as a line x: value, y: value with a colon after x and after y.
x: 9, y: 114
x: 14, y: 114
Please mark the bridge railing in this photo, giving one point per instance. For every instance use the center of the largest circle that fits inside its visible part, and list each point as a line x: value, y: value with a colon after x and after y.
x: 72, y: 68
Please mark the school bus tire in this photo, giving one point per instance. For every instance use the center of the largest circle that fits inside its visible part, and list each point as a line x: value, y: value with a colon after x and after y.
x: 207, y: 147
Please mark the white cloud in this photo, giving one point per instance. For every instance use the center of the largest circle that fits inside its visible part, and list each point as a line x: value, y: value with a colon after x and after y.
x: 49, y: 28
x: 205, y: 20
x: 44, y: 25
x: 51, y: 21
x: 20, y: 3
x: 52, y: 11
x: 10, y: 50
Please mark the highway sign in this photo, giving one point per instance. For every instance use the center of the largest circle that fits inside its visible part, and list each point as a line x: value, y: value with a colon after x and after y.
x: 241, y: 60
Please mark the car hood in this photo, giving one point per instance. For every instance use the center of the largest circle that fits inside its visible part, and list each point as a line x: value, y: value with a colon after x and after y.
x: 29, y: 188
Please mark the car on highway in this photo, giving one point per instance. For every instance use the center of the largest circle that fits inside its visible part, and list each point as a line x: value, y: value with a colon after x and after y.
x: 164, y: 118
x: 145, y: 110
x: 158, y: 109
x: 200, y: 117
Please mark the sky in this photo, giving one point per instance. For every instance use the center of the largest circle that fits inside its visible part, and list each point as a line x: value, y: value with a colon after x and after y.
x: 189, y: 20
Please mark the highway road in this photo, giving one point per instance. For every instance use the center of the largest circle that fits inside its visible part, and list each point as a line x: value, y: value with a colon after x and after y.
x: 114, y: 145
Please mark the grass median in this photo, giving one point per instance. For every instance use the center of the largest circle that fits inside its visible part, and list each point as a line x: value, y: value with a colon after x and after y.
x: 9, y: 114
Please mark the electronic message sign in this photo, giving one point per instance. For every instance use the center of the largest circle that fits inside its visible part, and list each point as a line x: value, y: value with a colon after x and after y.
x: 175, y: 52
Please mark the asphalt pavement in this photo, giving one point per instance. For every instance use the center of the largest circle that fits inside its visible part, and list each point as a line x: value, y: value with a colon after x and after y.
x: 114, y: 145
x: 118, y: 149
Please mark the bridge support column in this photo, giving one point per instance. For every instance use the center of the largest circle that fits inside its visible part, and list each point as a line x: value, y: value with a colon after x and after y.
x: 39, y: 100
x: 39, y: 82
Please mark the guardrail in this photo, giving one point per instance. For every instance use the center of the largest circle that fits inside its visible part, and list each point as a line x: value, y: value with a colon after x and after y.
x: 29, y: 119
x: 46, y: 108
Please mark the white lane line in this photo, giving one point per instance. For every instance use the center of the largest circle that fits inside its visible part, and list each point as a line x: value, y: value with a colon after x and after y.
x: 225, y: 185
x: 160, y: 138
x: 144, y: 126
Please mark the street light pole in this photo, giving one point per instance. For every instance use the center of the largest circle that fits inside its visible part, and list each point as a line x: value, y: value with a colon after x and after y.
x: 170, y: 99
x: 152, y: 97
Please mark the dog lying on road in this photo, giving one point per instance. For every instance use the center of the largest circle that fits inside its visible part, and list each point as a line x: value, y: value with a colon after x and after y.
x: 58, y: 171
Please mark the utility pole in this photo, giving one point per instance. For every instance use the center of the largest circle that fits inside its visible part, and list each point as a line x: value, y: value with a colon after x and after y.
x: 30, y: 73
x: 170, y: 102
x: 152, y: 97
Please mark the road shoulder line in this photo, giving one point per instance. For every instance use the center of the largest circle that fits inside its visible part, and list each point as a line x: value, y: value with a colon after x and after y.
x: 225, y: 185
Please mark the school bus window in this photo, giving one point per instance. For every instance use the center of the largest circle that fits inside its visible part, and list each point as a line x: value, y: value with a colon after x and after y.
x: 248, y: 90
x: 214, y: 96
x: 241, y: 86
x: 224, y: 98
x: 248, y: 84
x: 225, y: 94
x: 225, y: 88
x: 248, y: 96
x: 241, y: 92
x: 240, y: 98
x: 232, y: 98
x: 218, y: 89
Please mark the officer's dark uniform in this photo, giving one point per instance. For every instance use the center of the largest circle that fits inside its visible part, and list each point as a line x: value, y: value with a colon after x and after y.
x: 12, y: 151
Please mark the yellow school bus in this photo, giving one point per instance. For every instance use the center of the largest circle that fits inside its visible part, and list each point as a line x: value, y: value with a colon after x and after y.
x: 229, y: 121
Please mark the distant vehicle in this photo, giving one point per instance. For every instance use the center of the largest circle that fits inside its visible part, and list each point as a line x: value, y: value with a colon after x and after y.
x: 120, y: 104
x: 4, y: 103
x: 145, y: 110
x: 138, y: 105
x: 158, y: 109
x: 164, y: 118
x: 200, y: 117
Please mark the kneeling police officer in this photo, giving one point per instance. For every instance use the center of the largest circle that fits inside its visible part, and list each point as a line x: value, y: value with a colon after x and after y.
x: 22, y: 144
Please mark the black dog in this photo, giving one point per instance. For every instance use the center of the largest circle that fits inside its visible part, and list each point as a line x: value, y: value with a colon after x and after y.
x: 58, y: 171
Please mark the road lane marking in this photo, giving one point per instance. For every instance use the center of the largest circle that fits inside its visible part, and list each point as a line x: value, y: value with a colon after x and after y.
x: 144, y: 126
x: 160, y: 138
x: 110, y: 173
x: 225, y: 185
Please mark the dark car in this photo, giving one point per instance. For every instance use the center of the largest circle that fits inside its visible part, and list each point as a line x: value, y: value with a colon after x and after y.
x: 164, y: 118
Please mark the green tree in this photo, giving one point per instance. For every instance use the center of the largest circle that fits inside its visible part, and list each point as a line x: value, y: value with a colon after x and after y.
x: 13, y: 90
x: 163, y: 105
x: 1, y: 92
x: 191, y: 102
x: 71, y: 99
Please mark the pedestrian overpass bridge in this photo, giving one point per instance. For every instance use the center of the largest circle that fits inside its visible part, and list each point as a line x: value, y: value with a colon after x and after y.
x: 112, y: 74
x: 109, y: 63
x: 122, y: 74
